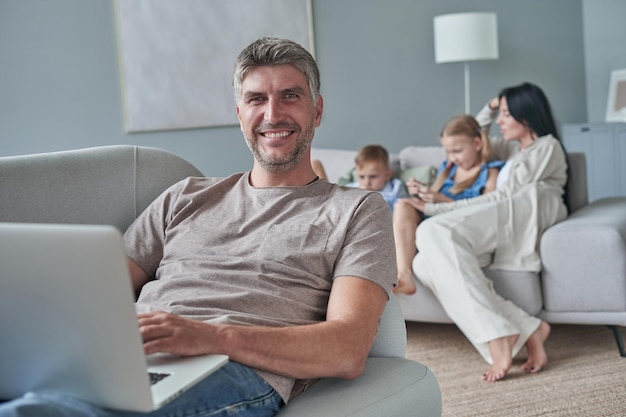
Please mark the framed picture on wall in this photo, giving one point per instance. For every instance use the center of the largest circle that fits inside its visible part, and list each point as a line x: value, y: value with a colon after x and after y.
x: 176, y: 57
x: 616, y: 105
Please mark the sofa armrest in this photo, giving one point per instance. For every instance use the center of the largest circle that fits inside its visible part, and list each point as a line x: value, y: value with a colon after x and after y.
x: 584, y: 259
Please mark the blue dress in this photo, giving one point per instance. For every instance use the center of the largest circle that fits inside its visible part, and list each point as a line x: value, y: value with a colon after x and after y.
x: 473, y: 190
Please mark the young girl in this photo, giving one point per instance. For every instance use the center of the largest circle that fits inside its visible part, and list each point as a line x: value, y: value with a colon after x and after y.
x: 465, y: 174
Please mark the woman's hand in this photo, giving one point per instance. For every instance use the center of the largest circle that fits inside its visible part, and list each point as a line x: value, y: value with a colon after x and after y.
x: 415, y: 202
x: 494, y: 103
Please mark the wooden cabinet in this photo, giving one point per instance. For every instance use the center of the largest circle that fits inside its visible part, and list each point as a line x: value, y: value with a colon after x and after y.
x: 604, y: 146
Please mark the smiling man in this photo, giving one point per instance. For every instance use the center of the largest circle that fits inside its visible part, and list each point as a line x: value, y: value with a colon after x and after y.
x: 276, y: 120
x: 285, y: 273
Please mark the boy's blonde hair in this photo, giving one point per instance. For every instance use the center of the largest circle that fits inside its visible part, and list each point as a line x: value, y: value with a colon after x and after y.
x: 463, y: 125
x: 372, y: 153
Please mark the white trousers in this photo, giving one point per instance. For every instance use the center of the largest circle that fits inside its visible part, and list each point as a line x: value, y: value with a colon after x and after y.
x: 453, y: 248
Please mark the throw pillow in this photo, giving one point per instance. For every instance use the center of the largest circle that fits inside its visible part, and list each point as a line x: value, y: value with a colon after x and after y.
x: 348, y: 177
x: 423, y: 173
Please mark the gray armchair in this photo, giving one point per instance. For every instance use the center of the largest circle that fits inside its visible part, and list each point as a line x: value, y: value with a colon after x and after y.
x: 114, y: 184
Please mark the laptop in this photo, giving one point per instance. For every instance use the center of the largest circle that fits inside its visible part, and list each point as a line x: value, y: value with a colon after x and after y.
x: 68, y: 321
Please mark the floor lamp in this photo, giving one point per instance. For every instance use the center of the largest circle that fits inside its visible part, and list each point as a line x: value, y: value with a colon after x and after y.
x: 463, y: 37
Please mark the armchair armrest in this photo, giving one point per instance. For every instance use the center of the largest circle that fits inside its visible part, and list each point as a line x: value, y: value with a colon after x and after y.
x: 390, y: 385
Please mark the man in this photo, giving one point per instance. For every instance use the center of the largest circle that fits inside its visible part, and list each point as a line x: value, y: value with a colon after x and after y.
x: 286, y: 274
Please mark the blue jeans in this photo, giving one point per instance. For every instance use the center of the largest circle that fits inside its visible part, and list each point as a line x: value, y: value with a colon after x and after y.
x: 233, y: 390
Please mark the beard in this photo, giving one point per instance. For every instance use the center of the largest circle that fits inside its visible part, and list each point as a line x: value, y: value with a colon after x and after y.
x: 285, y: 162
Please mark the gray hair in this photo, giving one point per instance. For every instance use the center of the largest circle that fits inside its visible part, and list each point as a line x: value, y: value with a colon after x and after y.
x: 270, y: 51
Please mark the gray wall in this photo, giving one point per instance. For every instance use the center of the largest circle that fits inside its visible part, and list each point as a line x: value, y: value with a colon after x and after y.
x: 60, y: 87
x: 382, y: 84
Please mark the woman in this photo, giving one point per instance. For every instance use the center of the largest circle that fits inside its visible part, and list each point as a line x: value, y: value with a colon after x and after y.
x: 500, y: 229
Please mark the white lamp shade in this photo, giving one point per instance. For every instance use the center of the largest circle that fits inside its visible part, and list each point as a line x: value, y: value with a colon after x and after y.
x: 466, y: 37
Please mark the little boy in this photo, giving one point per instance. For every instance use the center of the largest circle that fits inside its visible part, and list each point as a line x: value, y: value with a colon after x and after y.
x: 373, y: 173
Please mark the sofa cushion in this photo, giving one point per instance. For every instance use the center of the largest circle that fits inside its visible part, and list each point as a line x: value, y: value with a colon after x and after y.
x: 348, y: 177
x: 414, y: 156
x: 521, y: 287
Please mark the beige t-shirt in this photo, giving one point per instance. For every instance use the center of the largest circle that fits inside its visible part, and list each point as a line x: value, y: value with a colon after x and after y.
x: 223, y: 251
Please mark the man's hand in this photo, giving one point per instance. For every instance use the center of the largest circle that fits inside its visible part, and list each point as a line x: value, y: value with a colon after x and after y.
x: 336, y: 347
x: 165, y: 332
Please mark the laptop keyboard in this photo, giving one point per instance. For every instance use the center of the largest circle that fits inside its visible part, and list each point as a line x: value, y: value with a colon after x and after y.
x: 156, y: 377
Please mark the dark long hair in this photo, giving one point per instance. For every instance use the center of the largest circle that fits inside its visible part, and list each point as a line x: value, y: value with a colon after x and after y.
x: 529, y: 105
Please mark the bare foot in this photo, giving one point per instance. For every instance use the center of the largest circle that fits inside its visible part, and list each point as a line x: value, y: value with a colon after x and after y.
x: 405, y: 284
x: 502, y: 356
x: 537, y: 356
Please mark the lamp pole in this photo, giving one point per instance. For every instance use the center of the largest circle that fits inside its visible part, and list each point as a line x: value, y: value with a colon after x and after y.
x: 467, y: 89
x: 465, y: 37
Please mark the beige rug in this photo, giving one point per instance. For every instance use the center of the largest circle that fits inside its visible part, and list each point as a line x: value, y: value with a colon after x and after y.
x: 585, y: 376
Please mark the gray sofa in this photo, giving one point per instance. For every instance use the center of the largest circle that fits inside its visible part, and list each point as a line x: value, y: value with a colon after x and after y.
x: 583, y: 280
x: 113, y: 184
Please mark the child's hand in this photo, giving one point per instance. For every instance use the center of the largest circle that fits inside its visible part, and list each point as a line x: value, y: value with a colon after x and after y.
x: 416, y: 187
x: 427, y: 196
x: 430, y: 196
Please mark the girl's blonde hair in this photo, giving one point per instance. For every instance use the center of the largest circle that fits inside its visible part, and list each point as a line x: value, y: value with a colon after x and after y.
x: 463, y: 125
